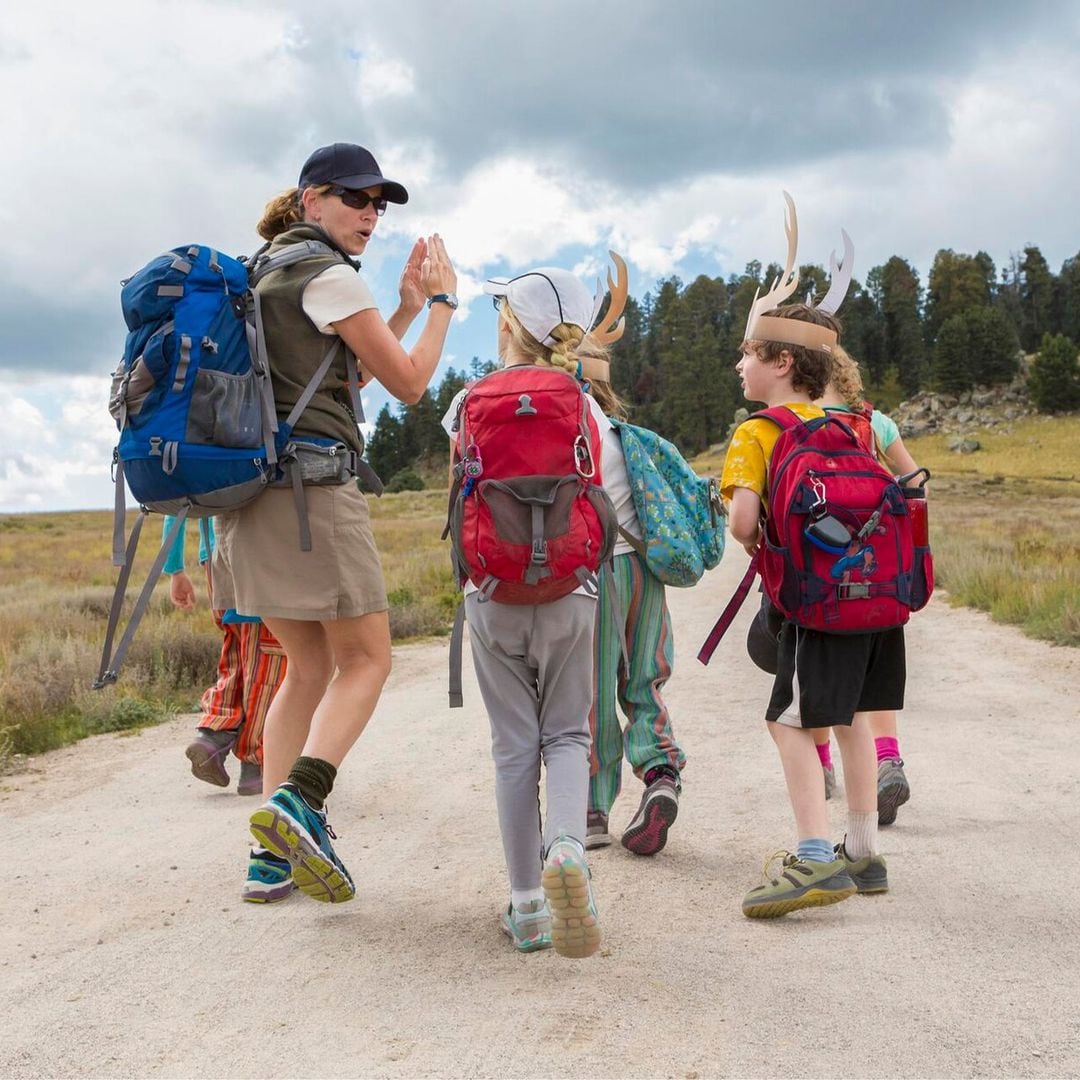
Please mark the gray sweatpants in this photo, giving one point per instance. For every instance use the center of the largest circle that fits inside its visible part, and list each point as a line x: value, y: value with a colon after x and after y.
x: 534, y: 666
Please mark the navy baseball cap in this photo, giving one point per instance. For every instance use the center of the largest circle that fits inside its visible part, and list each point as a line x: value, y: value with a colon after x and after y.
x: 348, y: 166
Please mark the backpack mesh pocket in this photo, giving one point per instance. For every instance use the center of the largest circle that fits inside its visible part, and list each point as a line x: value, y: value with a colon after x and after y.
x: 225, y: 410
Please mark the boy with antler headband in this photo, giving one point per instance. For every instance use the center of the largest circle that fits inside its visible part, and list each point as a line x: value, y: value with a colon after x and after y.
x: 823, y: 679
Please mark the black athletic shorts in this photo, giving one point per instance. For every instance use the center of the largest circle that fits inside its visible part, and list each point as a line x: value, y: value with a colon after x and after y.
x: 822, y: 680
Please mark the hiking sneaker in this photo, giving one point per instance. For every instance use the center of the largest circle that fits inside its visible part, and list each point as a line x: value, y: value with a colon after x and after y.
x: 287, y: 827
x: 647, y: 832
x: 802, y: 883
x: 869, y: 873
x: 269, y: 879
x: 207, y: 753
x: 596, y: 830
x: 528, y: 927
x: 830, y: 780
x: 250, y: 782
x: 892, y: 789
x: 575, y: 926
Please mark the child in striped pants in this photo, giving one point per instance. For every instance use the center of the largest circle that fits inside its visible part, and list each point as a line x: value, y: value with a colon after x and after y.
x: 250, y: 670
x: 648, y: 741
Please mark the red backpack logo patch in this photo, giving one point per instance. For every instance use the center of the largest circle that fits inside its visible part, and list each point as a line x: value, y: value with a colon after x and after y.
x: 529, y: 519
x: 838, y: 553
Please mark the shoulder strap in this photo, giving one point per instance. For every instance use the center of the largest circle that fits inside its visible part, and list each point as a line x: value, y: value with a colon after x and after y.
x: 729, y: 612
x: 263, y: 263
x: 783, y: 417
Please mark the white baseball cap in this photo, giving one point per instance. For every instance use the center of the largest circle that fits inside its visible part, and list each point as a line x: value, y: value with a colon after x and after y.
x: 545, y: 298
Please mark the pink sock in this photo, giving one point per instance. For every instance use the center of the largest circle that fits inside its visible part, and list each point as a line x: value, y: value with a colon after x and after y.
x: 824, y: 753
x: 886, y: 748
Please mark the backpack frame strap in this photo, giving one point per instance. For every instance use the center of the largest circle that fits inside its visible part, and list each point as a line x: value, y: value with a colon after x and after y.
x: 109, y: 671
x: 456, y: 636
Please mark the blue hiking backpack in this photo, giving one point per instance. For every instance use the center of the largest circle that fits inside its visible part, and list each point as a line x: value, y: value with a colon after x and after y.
x: 199, y: 433
x: 681, y: 514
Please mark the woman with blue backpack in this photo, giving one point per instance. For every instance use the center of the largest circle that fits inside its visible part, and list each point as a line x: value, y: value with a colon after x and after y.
x: 302, y: 555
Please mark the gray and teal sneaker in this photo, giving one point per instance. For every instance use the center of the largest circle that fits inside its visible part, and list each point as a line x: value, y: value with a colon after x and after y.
x: 528, y: 927
x: 288, y: 827
x: 575, y: 923
x: 802, y: 883
x: 869, y: 873
x: 892, y: 789
x: 269, y: 878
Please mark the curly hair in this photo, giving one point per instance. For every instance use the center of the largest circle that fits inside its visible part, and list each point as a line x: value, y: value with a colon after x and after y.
x: 811, y: 370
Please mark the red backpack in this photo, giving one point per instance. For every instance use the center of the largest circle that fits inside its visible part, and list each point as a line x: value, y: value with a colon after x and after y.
x: 529, y: 520
x: 838, y: 553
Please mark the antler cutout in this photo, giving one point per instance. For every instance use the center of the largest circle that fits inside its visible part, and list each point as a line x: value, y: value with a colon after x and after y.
x: 783, y: 286
x: 839, y: 277
x: 613, y: 325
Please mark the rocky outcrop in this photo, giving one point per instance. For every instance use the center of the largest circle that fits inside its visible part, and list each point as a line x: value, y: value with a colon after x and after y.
x: 983, y: 407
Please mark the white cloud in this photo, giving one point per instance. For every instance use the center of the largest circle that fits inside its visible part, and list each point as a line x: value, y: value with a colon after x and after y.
x: 380, y: 76
x: 47, y: 463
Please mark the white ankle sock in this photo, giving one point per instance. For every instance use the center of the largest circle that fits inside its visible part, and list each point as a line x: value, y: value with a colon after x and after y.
x: 861, y: 838
x: 519, y: 897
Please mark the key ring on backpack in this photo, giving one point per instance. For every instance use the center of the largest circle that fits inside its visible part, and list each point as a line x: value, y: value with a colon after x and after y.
x: 817, y: 507
x: 583, y: 455
x: 473, y: 463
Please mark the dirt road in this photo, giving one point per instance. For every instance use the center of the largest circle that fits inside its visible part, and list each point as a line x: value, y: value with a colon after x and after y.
x: 124, y: 950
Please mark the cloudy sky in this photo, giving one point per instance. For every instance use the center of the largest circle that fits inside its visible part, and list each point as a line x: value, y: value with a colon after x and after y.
x: 527, y: 133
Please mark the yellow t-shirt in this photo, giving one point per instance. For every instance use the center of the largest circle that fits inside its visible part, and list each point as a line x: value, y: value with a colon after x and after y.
x: 747, y: 461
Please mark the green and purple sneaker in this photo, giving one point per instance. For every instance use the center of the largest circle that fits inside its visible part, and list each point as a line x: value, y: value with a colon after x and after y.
x: 269, y: 878
x: 290, y: 829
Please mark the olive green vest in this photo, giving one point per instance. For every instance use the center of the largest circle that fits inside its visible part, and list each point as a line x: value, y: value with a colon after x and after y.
x: 296, y: 348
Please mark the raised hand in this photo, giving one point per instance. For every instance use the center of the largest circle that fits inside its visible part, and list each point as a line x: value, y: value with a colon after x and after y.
x: 438, y: 274
x: 410, y: 288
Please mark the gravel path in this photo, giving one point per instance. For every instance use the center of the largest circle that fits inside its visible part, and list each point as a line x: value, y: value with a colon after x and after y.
x: 124, y: 950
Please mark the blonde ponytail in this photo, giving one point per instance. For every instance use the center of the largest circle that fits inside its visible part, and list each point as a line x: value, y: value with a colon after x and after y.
x: 572, y: 345
x: 846, y: 379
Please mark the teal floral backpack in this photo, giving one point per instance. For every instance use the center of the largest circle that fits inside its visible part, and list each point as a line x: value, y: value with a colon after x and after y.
x: 681, y: 514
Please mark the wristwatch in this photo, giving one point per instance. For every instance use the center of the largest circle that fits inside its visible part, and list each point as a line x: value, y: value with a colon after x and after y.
x: 444, y: 298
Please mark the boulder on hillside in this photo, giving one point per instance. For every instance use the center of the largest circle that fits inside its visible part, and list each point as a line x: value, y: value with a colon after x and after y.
x: 964, y: 444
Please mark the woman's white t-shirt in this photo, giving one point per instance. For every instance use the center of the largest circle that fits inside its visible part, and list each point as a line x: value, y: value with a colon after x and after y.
x: 335, y: 294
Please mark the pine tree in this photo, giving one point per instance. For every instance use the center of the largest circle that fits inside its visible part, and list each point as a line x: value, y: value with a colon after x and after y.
x: 899, y: 300
x: 1055, y: 376
x: 1068, y: 293
x: 993, y: 348
x: 952, y: 352
x: 1036, y: 298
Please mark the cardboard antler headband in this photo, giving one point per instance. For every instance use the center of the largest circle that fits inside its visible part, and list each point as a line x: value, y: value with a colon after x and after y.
x: 762, y: 327
x: 612, y: 327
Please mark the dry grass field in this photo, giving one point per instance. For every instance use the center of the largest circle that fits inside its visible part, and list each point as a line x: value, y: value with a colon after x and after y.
x: 1005, y: 523
x: 1005, y: 528
x: 56, y: 585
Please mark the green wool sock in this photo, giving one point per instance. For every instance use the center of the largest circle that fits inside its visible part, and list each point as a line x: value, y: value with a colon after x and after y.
x: 314, y: 779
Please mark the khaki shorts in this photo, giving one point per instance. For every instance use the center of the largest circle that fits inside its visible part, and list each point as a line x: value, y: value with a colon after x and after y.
x: 263, y: 571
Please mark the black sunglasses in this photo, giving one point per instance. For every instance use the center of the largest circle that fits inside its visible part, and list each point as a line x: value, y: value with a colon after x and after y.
x: 496, y: 302
x: 360, y: 200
